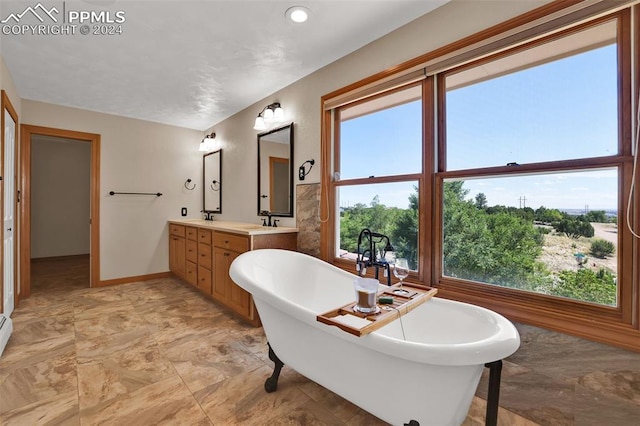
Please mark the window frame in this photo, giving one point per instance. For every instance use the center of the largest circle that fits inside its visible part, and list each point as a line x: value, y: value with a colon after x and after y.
x: 622, y: 313
x: 424, y: 187
x: 613, y: 325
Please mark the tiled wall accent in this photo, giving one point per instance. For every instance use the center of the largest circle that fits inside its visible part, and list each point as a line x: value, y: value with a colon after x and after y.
x: 308, y: 218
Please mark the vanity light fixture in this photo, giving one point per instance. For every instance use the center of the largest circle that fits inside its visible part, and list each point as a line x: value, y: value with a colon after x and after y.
x: 297, y: 14
x: 271, y: 114
x: 207, y: 143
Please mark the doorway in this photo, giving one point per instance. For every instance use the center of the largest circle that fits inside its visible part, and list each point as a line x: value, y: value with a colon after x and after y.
x: 8, y: 291
x: 69, y: 239
x: 279, y: 178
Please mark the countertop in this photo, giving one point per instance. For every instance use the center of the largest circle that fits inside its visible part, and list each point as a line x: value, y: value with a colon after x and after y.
x: 241, y: 228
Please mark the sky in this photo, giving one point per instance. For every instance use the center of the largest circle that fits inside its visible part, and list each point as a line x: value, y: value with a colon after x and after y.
x: 555, y: 111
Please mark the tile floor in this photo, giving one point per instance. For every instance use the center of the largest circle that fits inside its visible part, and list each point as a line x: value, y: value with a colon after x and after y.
x: 154, y: 352
x: 158, y: 352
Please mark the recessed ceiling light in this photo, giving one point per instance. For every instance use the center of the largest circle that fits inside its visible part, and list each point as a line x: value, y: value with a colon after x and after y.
x: 297, y: 14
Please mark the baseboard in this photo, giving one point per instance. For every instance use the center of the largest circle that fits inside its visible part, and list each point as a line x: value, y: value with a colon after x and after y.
x: 68, y: 257
x: 6, y: 327
x: 126, y: 280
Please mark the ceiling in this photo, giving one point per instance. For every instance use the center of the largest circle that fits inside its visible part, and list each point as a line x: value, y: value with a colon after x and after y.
x: 187, y: 63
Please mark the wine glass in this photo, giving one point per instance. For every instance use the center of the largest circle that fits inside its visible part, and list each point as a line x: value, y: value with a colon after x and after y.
x: 401, y: 271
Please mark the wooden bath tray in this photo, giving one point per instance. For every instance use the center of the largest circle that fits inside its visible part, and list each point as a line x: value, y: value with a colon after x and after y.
x: 418, y: 294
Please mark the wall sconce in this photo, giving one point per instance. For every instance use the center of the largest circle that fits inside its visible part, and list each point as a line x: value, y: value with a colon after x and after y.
x: 302, y: 171
x: 207, y: 143
x: 271, y: 114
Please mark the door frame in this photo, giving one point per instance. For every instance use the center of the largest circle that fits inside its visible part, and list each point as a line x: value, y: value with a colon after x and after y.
x: 272, y: 180
x: 5, y: 104
x: 26, y: 131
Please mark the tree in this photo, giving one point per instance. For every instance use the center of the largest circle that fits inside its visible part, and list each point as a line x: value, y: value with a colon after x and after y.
x: 377, y: 217
x: 542, y: 214
x: 597, y: 216
x: 404, y: 235
x: 497, y: 245
x: 574, y: 227
x: 481, y: 201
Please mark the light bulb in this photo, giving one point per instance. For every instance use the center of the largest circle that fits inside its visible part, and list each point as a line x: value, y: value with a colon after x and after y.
x: 278, y: 114
x: 259, y: 124
x: 268, y: 114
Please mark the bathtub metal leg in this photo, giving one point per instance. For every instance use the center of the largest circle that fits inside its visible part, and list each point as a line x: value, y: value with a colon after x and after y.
x: 271, y: 384
x: 493, y: 397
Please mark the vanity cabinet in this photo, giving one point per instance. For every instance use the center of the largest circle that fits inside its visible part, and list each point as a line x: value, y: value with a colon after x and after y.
x: 202, y: 255
x: 205, y: 261
x: 177, y: 250
x: 191, y: 266
x: 191, y: 255
x: 227, y: 248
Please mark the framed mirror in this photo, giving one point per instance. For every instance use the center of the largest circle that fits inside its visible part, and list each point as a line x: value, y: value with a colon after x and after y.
x: 212, y: 182
x: 275, y: 172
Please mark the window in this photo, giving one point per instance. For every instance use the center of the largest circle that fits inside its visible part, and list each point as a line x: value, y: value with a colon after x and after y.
x: 552, y: 109
x: 505, y: 177
x: 535, y: 233
x: 550, y: 102
x: 380, y: 164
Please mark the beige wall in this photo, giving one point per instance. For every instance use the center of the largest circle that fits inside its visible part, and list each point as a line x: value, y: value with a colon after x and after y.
x: 301, y: 100
x: 136, y: 156
x: 6, y: 84
x: 60, y: 202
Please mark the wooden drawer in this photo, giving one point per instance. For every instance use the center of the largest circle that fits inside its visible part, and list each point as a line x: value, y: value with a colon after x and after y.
x: 204, y: 236
x: 204, y: 280
x: 192, y: 233
x: 231, y: 242
x: 191, y: 273
x: 177, y: 230
x: 192, y: 251
x: 205, y: 255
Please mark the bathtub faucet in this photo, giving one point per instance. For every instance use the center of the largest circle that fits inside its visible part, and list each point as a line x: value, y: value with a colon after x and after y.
x: 368, y: 243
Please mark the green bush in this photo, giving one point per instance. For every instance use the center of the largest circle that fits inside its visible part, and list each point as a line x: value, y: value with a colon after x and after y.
x: 574, y: 227
x: 597, y: 287
x: 601, y: 248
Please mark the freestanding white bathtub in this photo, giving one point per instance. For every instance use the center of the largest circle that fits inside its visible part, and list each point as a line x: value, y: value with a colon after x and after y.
x: 430, y: 378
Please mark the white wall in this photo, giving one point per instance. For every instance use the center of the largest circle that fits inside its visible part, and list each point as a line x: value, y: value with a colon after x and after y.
x: 6, y: 84
x: 301, y: 100
x: 60, y: 202
x: 136, y: 156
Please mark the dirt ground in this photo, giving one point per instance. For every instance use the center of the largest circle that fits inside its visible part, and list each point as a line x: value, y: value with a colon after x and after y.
x: 558, y: 250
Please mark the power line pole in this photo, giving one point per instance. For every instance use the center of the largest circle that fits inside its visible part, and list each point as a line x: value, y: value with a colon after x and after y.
x: 523, y: 201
